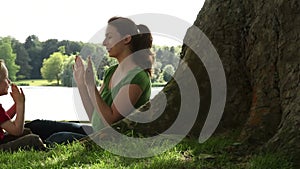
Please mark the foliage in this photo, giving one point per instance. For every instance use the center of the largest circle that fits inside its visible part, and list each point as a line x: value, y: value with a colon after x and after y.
x: 34, y: 48
x: 29, y: 57
x: 168, y: 72
x: 71, y: 47
x: 67, y: 75
x: 165, y: 57
x: 48, y: 47
x: 6, y: 53
x: 53, y: 67
x: 22, y: 60
x: 38, y: 51
x: 156, y: 77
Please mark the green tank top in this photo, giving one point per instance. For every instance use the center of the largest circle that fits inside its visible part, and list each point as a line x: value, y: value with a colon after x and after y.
x: 135, y: 76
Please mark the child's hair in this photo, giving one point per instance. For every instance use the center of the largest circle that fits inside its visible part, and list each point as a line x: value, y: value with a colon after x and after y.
x: 2, y: 68
x: 141, y: 41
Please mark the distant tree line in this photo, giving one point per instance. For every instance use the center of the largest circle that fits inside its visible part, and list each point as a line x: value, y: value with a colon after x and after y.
x: 53, y: 59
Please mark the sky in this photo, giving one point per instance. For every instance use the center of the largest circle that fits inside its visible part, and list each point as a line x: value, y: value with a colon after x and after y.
x: 80, y: 20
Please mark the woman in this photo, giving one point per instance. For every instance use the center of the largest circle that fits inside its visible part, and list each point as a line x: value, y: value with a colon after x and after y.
x: 126, y: 85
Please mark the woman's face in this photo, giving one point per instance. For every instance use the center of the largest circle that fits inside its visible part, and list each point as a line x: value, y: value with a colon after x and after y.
x: 113, y: 41
x: 4, y: 82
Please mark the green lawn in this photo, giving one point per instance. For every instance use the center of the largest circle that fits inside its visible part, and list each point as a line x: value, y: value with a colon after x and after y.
x: 42, y: 82
x: 215, y: 153
x: 35, y: 82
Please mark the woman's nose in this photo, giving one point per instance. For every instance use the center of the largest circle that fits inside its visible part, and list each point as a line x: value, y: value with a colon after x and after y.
x: 104, y: 42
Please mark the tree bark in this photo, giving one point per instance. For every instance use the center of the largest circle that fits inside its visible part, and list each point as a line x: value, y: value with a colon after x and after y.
x: 258, y: 44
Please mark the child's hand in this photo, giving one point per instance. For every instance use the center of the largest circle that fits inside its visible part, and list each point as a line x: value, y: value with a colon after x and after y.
x: 17, y: 95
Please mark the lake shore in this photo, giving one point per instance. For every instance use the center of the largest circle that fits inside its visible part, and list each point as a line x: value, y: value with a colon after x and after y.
x: 54, y: 103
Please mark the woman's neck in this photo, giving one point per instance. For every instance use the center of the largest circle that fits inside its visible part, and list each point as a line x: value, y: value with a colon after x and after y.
x: 126, y: 62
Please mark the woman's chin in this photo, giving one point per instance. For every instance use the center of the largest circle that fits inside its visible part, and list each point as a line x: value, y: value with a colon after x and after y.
x: 110, y: 55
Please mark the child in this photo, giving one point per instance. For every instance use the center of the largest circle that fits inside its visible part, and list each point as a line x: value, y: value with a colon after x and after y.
x: 15, y: 136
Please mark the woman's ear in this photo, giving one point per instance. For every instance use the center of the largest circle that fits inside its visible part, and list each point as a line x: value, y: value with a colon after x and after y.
x: 127, y: 39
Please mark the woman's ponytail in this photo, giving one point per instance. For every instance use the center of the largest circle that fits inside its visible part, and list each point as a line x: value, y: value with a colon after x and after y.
x: 141, y: 46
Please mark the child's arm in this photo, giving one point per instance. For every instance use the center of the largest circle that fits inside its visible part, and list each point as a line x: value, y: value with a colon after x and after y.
x: 12, y: 111
x: 16, y: 127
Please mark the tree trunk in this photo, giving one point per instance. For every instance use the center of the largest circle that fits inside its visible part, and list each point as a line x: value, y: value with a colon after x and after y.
x: 258, y: 44
x: 57, y: 80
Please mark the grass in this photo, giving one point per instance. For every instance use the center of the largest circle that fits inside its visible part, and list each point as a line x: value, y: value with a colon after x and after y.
x: 35, y: 82
x: 214, y: 153
x: 156, y: 84
x: 218, y: 152
x: 267, y: 161
x: 43, y: 82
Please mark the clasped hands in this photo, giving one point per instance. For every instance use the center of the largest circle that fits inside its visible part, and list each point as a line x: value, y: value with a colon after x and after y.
x: 81, y: 75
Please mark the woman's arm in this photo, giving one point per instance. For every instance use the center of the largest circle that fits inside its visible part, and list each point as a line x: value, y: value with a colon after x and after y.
x: 86, y: 101
x: 16, y: 127
x: 122, y: 105
x: 78, y: 72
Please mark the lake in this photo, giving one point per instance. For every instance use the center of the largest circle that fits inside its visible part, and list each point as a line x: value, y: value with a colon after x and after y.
x: 54, y: 103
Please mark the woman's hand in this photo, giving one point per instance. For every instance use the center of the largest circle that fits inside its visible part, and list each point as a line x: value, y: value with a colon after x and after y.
x: 89, y: 74
x: 17, y: 95
x: 78, y: 71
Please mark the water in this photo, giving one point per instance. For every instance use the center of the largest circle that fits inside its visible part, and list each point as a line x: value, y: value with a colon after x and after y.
x: 53, y: 103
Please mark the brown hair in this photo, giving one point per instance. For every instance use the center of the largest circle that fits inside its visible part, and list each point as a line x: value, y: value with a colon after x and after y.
x: 141, y: 41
